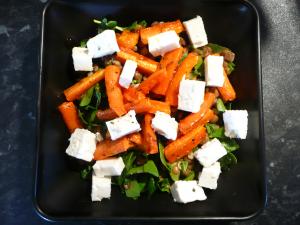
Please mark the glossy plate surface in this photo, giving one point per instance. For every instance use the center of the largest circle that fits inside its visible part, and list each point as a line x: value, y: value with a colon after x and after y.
x: 61, y: 194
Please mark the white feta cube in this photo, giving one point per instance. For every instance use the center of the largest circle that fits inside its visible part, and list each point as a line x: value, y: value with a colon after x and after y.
x: 123, y: 125
x: 196, y: 31
x: 101, y: 188
x: 163, y: 42
x: 165, y: 125
x: 209, y: 176
x: 103, y: 44
x: 236, y: 123
x: 109, y: 167
x: 214, y: 72
x: 82, y: 144
x: 210, y: 152
x: 191, y: 95
x: 82, y: 61
x: 127, y: 73
x: 187, y: 191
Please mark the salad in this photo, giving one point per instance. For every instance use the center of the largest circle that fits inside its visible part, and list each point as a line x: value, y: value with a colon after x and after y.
x: 153, y: 113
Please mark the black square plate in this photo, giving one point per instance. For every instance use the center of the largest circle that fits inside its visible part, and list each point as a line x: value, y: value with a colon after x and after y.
x: 61, y: 194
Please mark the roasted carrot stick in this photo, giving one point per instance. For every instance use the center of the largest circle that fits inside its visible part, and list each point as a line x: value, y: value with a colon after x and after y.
x: 107, y: 148
x: 227, y: 92
x: 149, y: 136
x: 184, y: 69
x: 170, y: 62
x: 128, y: 39
x: 145, y: 65
x: 69, y: 113
x: 75, y: 91
x: 207, y: 117
x: 132, y: 95
x: 136, y: 138
x: 113, y: 89
x: 160, y: 27
x: 156, y: 78
x: 188, y: 122
x: 185, y: 144
x: 143, y: 106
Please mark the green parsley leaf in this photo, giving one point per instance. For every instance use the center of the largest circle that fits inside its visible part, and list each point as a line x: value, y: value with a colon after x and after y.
x: 83, y: 43
x: 214, y: 131
x: 164, y: 185
x: 231, y: 67
x: 220, y: 105
x: 134, y: 188
x: 128, y: 160
x: 162, y: 156
x: 185, y: 54
x: 230, y: 144
x: 87, y: 97
x: 151, y: 186
x: 148, y: 167
x: 85, y: 172
x: 228, y: 161
x: 198, y: 70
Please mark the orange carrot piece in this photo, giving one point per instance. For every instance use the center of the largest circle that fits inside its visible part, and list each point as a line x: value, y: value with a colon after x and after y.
x: 149, y: 136
x: 160, y: 27
x: 147, y: 85
x: 184, y: 69
x: 145, y: 65
x: 207, y: 117
x: 113, y: 89
x: 75, y: 91
x: 159, y: 106
x: 185, y: 144
x: 128, y: 39
x: 170, y: 62
x: 227, y: 92
x: 132, y: 95
x: 70, y: 116
x: 186, y: 123
x: 136, y: 138
x: 107, y: 148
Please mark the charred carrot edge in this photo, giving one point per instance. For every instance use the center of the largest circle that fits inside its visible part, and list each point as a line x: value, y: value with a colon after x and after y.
x: 160, y: 27
x: 147, y: 85
x: 149, y: 136
x: 170, y: 62
x: 184, y: 69
x: 108, y: 148
x: 188, y: 122
x: 145, y: 65
x: 128, y: 39
x: 185, y: 144
x: 70, y: 116
x: 113, y: 89
x: 75, y: 91
x: 227, y: 92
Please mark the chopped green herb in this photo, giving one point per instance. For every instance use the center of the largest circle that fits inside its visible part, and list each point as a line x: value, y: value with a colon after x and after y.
x: 220, y: 105
x: 162, y: 156
x: 228, y: 161
x: 214, y: 131
x: 136, y: 25
x: 151, y: 186
x: 190, y: 176
x: 231, y: 67
x: 83, y: 43
x: 134, y: 188
x: 148, y: 167
x: 230, y: 144
x: 216, y: 48
x: 104, y: 24
x: 185, y: 54
x: 164, y: 185
x: 85, y: 172
x: 183, y: 164
x: 87, y: 97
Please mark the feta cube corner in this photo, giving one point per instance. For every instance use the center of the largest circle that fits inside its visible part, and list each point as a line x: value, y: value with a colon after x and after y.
x: 187, y: 191
x: 196, y: 31
x: 163, y: 42
x: 109, y: 167
x: 123, y: 125
x: 209, y: 176
x: 82, y: 61
x: 214, y: 72
x: 101, y: 188
x: 127, y: 73
x: 165, y: 125
x: 210, y: 152
x: 103, y: 44
x: 82, y: 144
x: 236, y: 123
x: 191, y: 95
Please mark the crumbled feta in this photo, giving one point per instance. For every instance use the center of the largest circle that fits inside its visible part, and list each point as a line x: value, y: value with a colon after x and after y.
x: 165, y: 125
x: 127, y: 73
x: 101, y: 188
x: 122, y: 126
x: 191, y: 95
x: 236, y: 123
x: 163, y: 42
x: 187, y: 191
x: 109, y: 167
x: 103, y: 44
x: 82, y: 144
x: 82, y: 61
x: 214, y: 74
x: 196, y: 31
x: 210, y: 152
x: 208, y: 178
